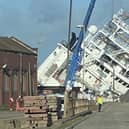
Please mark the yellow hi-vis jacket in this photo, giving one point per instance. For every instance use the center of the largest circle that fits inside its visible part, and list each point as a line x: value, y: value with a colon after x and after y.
x: 99, y: 100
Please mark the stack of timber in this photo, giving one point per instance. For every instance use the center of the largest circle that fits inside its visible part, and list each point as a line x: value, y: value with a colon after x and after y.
x: 76, y: 106
x: 54, y: 106
x: 81, y: 105
x: 41, y: 111
x: 92, y: 105
x: 35, y: 109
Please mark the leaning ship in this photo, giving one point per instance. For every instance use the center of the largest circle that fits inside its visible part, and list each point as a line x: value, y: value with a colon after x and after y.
x: 105, y: 62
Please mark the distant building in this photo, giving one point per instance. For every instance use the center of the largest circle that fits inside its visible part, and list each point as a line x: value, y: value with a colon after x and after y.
x: 18, y: 69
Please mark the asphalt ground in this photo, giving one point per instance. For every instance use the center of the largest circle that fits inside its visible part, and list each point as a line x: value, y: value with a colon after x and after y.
x: 11, y: 114
x: 113, y: 116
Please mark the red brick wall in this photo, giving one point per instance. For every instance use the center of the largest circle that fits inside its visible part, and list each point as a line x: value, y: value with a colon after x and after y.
x: 22, y: 77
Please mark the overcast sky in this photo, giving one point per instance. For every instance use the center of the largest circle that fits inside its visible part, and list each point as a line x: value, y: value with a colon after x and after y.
x: 44, y: 23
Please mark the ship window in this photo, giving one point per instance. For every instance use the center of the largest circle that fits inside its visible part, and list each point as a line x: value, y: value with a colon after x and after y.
x: 111, y: 27
x: 107, y: 71
x: 124, y: 83
x: 122, y: 38
x: 116, y: 78
x: 102, y: 67
x: 124, y: 34
x: 51, y: 70
x: 127, y: 73
x: 85, y: 70
x: 86, y: 55
x: 59, y: 47
x: 105, y: 58
x: 120, y: 81
x: 54, y: 53
x: 97, y: 63
x: 89, y: 76
x: 128, y: 86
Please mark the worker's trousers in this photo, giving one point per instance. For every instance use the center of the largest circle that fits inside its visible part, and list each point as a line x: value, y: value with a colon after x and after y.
x: 99, y: 107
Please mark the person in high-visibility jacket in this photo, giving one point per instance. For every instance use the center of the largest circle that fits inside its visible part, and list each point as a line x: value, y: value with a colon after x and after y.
x: 99, y: 102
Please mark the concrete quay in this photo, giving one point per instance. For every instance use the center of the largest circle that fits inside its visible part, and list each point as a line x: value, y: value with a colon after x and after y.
x: 113, y: 116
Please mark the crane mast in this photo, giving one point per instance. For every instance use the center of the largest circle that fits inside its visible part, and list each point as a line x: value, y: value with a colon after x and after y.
x: 77, y: 52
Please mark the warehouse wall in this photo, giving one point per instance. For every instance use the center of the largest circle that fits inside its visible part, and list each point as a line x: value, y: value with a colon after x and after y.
x: 19, y: 77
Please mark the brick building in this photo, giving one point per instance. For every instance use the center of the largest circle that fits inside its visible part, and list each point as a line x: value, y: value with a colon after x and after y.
x: 18, y: 69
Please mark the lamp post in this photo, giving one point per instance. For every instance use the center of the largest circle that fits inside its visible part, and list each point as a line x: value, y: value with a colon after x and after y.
x: 2, y: 68
x: 21, y: 74
x: 66, y: 94
x: 113, y: 83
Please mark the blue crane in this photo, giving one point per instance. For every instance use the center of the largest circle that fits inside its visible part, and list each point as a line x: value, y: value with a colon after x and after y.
x: 77, y: 52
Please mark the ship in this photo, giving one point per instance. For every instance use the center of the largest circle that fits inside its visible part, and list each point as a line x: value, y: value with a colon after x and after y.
x: 104, y: 68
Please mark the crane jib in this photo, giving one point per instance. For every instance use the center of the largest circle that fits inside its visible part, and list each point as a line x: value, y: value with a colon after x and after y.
x: 77, y: 52
x: 88, y: 14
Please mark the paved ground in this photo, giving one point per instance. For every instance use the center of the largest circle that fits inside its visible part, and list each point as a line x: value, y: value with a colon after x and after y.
x: 113, y: 116
x: 10, y: 115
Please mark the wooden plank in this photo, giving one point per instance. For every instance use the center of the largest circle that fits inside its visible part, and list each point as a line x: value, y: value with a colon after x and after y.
x: 33, y: 97
x: 51, y: 101
x: 35, y: 103
x: 37, y: 118
x: 35, y: 110
x: 51, y: 97
x: 36, y: 115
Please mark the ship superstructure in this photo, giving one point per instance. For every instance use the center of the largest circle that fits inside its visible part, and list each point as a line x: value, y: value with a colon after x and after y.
x: 105, y: 62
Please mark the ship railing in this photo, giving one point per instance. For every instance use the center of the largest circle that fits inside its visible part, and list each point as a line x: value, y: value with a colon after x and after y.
x: 109, y: 28
x: 121, y: 45
x: 116, y: 52
x: 123, y: 37
x: 120, y: 24
x: 125, y: 79
x: 111, y: 54
x: 105, y: 32
x: 124, y: 15
x: 125, y: 45
x: 86, y: 84
x: 103, y: 83
x: 116, y: 60
x: 94, y: 74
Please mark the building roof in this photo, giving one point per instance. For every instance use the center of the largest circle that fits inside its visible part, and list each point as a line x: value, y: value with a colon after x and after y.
x: 12, y: 44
